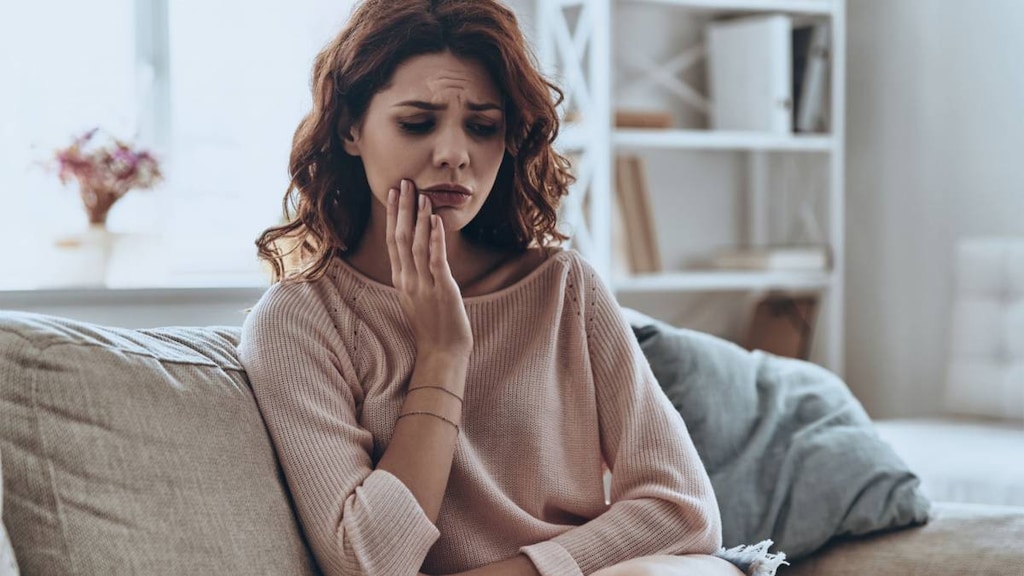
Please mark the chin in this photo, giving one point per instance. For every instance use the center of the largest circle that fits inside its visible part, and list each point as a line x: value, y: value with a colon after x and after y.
x: 453, y: 222
x: 455, y: 219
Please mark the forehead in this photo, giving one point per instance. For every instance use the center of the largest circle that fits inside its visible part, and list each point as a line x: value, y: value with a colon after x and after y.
x: 441, y: 76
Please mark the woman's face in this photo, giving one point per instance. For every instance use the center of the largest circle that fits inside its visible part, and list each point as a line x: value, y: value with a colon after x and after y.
x: 438, y: 123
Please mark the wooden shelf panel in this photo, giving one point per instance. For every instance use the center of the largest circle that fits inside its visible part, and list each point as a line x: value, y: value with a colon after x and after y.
x: 723, y: 280
x: 792, y: 6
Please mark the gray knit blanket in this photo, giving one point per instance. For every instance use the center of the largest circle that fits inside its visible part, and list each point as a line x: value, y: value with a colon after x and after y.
x: 792, y: 455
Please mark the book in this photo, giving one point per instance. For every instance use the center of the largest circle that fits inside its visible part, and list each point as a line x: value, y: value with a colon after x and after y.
x: 637, y: 217
x: 643, y: 119
x: 621, y: 264
x: 811, y: 111
x: 789, y: 258
x: 801, y: 42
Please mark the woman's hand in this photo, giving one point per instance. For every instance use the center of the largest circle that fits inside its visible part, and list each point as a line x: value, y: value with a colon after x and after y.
x: 419, y: 270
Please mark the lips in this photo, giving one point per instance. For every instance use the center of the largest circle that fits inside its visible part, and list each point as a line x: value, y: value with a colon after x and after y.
x: 443, y: 195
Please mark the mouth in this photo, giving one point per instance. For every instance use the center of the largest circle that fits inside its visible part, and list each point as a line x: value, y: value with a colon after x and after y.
x: 447, y: 195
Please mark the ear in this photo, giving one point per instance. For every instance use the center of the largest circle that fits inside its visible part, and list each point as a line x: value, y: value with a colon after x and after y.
x: 350, y: 139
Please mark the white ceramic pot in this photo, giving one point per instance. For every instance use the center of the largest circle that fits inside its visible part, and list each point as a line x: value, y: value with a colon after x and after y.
x: 82, y: 260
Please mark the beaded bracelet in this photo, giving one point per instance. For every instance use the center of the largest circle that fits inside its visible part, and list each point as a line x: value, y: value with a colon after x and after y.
x: 400, y: 416
x: 445, y: 390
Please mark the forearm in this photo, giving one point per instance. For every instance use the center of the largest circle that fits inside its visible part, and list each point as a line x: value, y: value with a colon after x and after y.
x: 519, y: 565
x: 422, y: 446
x: 694, y: 565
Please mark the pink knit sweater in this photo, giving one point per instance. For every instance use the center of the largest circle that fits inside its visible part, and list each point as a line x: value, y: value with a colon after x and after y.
x: 556, y: 385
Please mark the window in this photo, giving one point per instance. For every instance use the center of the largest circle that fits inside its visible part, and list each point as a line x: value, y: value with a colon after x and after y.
x: 215, y: 88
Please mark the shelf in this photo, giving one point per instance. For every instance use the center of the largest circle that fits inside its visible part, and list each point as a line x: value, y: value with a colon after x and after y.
x: 575, y: 137
x: 722, y: 280
x: 14, y: 299
x: 792, y: 6
x: 721, y: 140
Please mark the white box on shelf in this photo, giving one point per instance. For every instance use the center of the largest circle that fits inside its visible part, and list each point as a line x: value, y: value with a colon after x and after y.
x: 749, y: 74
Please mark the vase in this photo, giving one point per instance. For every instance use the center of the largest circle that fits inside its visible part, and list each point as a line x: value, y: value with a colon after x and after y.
x: 82, y: 260
x: 98, y: 200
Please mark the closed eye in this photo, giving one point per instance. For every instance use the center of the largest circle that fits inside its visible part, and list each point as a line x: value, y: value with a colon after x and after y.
x: 483, y: 130
x: 416, y: 127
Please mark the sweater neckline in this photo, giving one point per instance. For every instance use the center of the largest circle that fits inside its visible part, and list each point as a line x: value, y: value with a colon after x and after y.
x: 391, y: 290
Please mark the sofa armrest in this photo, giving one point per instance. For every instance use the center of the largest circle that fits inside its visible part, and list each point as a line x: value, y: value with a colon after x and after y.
x: 958, y: 539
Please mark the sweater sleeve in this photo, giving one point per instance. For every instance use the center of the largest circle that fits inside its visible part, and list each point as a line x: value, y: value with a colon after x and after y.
x: 662, y: 501
x: 358, y: 520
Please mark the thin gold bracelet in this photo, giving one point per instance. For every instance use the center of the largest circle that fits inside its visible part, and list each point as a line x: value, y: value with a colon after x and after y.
x: 400, y: 416
x: 442, y: 389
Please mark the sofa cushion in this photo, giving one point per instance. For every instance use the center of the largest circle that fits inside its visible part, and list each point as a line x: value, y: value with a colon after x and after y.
x: 792, y: 455
x: 137, y: 451
x: 958, y: 539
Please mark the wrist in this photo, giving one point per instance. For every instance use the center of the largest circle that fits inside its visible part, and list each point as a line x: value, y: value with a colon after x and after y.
x: 444, y: 369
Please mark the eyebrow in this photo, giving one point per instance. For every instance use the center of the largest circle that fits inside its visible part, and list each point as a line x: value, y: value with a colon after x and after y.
x: 428, y: 106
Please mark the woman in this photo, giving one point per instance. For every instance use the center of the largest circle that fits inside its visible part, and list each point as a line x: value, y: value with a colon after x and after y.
x: 443, y: 384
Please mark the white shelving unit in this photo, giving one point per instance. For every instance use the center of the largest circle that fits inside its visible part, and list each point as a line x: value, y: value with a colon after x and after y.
x: 575, y: 41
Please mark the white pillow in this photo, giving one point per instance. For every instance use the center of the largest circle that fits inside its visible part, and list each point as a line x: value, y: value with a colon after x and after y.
x: 8, y: 566
x: 985, y: 374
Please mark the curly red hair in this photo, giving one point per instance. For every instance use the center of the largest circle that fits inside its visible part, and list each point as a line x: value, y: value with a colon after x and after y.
x: 327, y: 203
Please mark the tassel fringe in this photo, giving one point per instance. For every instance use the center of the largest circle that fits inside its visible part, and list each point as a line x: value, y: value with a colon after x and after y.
x: 754, y: 560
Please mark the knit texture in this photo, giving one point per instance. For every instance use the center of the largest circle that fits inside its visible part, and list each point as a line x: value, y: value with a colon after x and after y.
x: 556, y: 386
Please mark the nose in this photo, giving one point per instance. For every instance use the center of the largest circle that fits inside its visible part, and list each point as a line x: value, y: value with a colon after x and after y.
x: 451, y: 149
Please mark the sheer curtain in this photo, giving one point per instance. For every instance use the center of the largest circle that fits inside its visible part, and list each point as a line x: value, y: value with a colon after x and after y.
x: 235, y: 86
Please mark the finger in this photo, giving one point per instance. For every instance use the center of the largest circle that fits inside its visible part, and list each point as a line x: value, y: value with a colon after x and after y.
x: 392, y: 219
x: 439, y: 252
x: 421, y: 244
x: 404, y: 233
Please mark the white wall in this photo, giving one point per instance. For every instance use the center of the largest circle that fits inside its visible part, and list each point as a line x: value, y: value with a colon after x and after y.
x: 935, y: 153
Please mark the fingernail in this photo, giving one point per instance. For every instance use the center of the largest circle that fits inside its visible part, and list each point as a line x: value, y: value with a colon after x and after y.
x: 423, y: 202
x: 391, y: 195
x: 405, y: 186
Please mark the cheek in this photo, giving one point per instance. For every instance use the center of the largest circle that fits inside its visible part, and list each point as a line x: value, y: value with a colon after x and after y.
x: 384, y: 168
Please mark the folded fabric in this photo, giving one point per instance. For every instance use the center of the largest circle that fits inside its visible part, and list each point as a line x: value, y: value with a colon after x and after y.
x: 791, y: 453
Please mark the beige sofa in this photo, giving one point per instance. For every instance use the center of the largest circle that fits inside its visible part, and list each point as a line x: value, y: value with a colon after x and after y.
x: 143, y: 452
